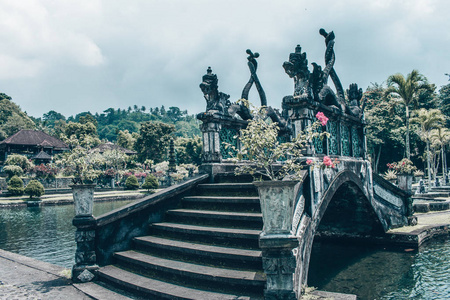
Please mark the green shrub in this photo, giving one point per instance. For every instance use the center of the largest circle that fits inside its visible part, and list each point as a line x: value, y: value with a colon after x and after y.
x: 12, y: 170
x: 131, y: 183
x: 150, y: 183
x: 19, y: 160
x: 34, y: 189
x: 15, y: 186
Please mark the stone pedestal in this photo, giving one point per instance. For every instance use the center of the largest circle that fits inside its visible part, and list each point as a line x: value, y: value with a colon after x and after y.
x: 405, y: 182
x: 85, y: 268
x: 279, y: 265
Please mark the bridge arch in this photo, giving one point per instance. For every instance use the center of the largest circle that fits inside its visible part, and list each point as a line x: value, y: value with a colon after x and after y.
x: 344, y: 206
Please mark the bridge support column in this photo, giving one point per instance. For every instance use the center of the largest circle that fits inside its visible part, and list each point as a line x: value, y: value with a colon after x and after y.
x: 279, y: 265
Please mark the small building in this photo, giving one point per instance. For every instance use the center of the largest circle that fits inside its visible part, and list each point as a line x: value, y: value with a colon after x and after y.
x: 34, y: 144
x: 110, y: 146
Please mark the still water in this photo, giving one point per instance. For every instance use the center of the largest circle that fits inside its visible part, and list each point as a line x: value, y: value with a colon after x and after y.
x: 380, y: 273
x: 45, y: 233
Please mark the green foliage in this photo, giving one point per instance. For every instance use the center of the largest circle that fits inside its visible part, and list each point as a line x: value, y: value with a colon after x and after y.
x: 131, y: 183
x: 81, y: 163
x: 34, y: 189
x: 153, y: 141
x: 150, y: 183
x: 15, y: 186
x: 12, y: 170
x: 189, y: 150
x: 12, y: 118
x: 19, y: 160
x: 261, y: 148
x: 84, y: 135
x: 126, y: 139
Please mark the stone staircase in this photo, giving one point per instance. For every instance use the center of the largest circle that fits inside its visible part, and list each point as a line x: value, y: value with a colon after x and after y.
x: 205, y: 249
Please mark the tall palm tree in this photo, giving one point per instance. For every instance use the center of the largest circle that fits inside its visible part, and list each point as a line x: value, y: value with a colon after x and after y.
x: 407, y: 90
x: 428, y: 120
x: 441, y: 137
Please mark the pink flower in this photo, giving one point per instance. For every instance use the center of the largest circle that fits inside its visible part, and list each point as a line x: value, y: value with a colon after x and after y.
x: 327, y: 161
x: 322, y: 118
x: 309, y: 162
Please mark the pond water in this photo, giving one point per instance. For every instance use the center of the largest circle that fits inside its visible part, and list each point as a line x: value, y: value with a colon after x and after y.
x: 379, y: 273
x: 45, y: 233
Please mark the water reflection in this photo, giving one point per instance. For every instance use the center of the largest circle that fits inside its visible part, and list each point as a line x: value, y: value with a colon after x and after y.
x: 44, y: 233
x: 381, y: 273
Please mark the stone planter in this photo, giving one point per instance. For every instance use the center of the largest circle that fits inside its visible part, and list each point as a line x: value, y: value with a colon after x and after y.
x: 277, y: 204
x: 83, y: 199
x: 405, y: 181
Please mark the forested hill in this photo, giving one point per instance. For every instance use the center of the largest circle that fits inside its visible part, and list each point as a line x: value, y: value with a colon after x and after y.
x: 111, y: 121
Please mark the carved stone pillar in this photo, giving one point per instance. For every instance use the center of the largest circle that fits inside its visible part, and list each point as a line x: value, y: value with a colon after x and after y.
x: 211, y: 142
x: 279, y: 265
x: 85, y: 268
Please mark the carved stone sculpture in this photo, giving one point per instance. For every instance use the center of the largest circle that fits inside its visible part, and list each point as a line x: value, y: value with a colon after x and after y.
x: 354, y: 97
x: 215, y: 100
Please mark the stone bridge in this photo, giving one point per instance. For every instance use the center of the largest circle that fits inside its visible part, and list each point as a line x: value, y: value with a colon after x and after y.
x: 347, y: 202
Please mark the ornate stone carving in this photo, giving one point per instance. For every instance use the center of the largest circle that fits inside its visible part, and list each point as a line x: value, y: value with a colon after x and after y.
x: 297, y: 68
x: 354, y: 97
x: 215, y: 100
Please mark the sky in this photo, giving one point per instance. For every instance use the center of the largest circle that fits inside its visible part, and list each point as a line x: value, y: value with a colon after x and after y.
x: 75, y: 56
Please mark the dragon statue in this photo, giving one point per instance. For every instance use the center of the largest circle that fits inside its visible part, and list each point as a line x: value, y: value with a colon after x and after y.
x: 313, y: 86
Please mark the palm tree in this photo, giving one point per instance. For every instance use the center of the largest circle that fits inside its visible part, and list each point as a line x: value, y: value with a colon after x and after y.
x: 407, y: 91
x: 428, y: 120
x: 441, y: 137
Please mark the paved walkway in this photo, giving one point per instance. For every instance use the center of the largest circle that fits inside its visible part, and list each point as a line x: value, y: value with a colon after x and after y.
x: 25, y: 278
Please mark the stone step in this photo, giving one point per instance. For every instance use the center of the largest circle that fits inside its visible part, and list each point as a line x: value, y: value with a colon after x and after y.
x: 200, y: 253
x: 99, y: 292
x: 227, y: 189
x: 222, y: 203
x: 200, y: 276
x: 151, y: 288
x: 214, y: 235
x: 212, y: 218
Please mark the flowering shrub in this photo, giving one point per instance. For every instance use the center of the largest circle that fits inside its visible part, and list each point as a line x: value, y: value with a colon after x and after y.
x: 405, y: 166
x: 140, y: 174
x: 263, y: 151
x: 45, y: 171
x: 110, y: 173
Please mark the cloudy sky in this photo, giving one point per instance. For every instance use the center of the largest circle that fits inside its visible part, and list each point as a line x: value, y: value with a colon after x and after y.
x: 88, y: 55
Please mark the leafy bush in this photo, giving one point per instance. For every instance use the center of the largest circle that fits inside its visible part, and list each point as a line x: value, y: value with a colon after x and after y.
x: 150, y: 183
x: 34, y: 189
x: 19, y: 160
x: 12, y: 170
x: 15, y: 186
x: 131, y: 183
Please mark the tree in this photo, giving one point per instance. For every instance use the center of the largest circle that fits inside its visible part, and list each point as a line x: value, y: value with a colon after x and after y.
x: 125, y: 139
x: 428, y: 120
x: 383, y: 127
x: 19, y: 160
x: 189, y: 150
x: 441, y: 137
x: 153, y: 141
x: 15, y: 186
x: 34, y: 189
x: 444, y: 99
x: 406, y: 90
